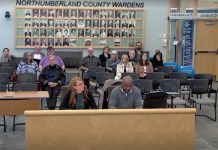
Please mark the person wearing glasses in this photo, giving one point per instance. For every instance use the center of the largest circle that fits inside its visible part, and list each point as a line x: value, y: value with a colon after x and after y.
x: 45, y: 60
x: 78, y: 96
x: 28, y: 65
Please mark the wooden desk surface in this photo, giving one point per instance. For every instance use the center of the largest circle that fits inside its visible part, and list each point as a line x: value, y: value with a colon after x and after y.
x: 24, y: 95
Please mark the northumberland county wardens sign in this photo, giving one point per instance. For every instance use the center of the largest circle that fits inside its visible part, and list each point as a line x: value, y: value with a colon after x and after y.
x: 79, y: 3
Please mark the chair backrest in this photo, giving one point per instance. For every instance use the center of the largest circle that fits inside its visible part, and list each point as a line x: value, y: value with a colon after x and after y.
x: 4, y: 78
x: 72, y: 62
x: 155, y: 75
x: 182, y: 76
x: 3, y: 87
x: 170, y: 85
x: 133, y: 75
x: 155, y: 100
x: 7, y: 64
x: 101, y: 77
x: 26, y: 78
x: 144, y: 85
x: 166, y: 69
x: 69, y: 76
x: 95, y: 70
x: 16, y: 60
x: 63, y: 92
x: 209, y: 77
x: 25, y: 87
x: 9, y: 70
x: 199, y: 86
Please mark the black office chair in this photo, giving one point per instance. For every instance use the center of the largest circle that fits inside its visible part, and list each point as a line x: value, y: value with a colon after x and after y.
x: 209, y: 77
x: 145, y: 85
x: 156, y: 77
x: 96, y: 70
x: 165, y: 69
x: 101, y: 77
x: 133, y: 75
x: 199, y: 95
x: 155, y: 100
x: 26, y: 78
x: 172, y: 88
x: 23, y: 87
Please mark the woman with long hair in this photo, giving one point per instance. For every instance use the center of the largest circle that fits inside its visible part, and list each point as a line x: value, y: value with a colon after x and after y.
x: 78, y: 96
x: 144, y: 66
x: 157, y: 60
x: 28, y: 65
x: 123, y: 66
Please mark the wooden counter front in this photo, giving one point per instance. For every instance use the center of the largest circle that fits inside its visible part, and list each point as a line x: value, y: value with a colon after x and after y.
x: 151, y: 129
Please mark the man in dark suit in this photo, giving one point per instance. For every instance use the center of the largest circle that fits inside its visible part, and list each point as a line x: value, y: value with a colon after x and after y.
x: 27, y: 42
x: 43, y: 23
x: 36, y: 23
x: 66, y: 42
x: 124, y: 33
x: 131, y: 34
x: 132, y: 24
x: 117, y: 33
x: 125, y: 24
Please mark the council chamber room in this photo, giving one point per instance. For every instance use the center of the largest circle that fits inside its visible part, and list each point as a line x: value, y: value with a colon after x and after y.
x: 111, y: 75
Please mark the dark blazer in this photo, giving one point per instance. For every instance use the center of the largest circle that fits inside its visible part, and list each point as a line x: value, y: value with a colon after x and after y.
x: 89, y: 104
x: 103, y: 59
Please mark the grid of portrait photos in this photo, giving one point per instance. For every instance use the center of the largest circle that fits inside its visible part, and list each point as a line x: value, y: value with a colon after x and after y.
x: 79, y: 27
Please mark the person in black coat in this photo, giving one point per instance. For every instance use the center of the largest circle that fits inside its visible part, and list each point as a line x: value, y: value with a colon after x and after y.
x: 157, y: 60
x: 104, y: 56
x: 52, y: 78
x: 77, y: 96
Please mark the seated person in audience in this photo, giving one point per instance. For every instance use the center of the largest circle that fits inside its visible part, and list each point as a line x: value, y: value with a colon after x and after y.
x: 88, y: 63
x: 125, y: 96
x: 144, y: 66
x: 157, y: 60
x: 138, y: 49
x: 6, y: 57
x: 104, y: 56
x: 45, y: 60
x: 78, y: 96
x: 52, y: 77
x: 37, y: 54
x: 122, y: 67
x: 112, y: 62
x: 28, y: 65
x: 132, y: 58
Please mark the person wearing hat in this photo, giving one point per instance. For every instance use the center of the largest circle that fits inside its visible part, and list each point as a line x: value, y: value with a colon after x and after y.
x: 112, y: 62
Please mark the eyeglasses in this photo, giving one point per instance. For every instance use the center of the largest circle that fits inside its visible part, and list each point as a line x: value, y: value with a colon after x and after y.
x: 80, y: 84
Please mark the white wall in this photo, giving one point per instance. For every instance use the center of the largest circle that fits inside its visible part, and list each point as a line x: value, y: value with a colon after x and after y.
x: 156, y: 12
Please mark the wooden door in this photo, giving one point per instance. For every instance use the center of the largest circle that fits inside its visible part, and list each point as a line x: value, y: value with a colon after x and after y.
x: 206, y: 60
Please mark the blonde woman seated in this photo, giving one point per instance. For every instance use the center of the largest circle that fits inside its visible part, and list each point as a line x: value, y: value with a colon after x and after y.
x: 123, y: 66
x: 78, y: 97
x: 144, y: 66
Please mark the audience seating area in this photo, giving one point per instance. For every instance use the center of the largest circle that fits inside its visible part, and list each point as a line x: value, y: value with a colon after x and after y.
x: 170, y: 72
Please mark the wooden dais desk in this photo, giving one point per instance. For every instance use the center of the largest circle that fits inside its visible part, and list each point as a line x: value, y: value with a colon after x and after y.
x: 15, y: 103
